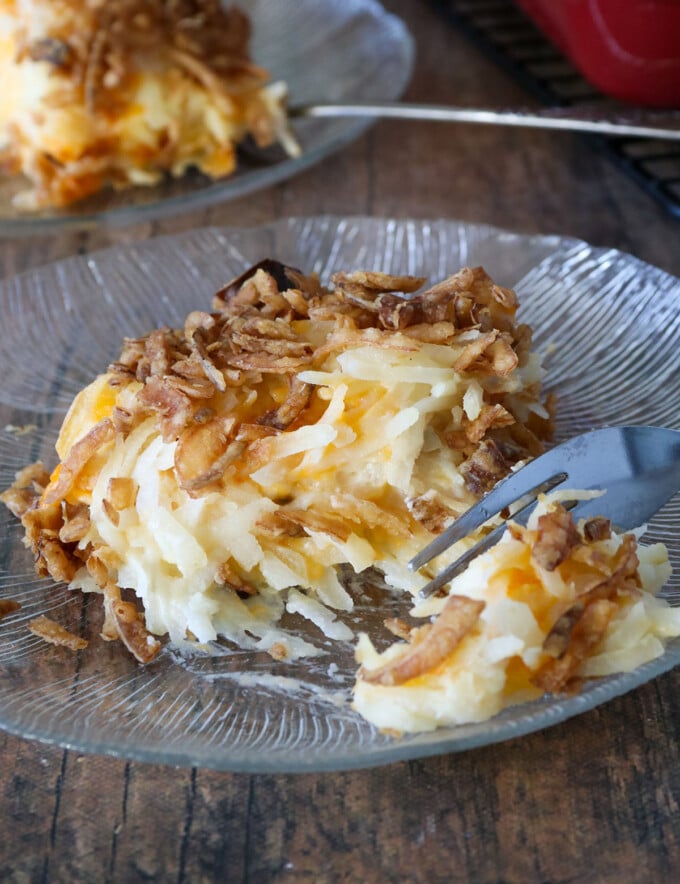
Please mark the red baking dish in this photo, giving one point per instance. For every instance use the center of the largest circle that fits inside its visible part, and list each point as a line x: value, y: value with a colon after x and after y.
x: 629, y: 49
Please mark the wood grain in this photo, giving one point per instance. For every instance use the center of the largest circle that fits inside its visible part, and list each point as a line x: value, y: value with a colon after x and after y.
x: 592, y: 800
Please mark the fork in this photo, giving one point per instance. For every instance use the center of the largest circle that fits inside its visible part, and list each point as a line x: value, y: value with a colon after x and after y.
x: 638, y: 467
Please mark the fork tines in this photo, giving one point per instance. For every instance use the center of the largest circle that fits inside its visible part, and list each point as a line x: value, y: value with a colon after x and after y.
x: 511, y: 494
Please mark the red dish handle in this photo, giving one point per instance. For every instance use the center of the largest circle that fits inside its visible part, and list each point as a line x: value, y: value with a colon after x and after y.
x: 629, y: 49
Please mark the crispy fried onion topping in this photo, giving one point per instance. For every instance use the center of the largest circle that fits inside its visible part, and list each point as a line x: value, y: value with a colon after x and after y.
x: 204, y: 452
x: 588, y: 631
x: 53, y: 556
x: 583, y: 625
x: 432, y: 514
x: 294, y: 523
x: 78, y: 458
x: 597, y: 528
x: 52, y: 632
x: 299, y: 394
x: 398, y: 627
x: 557, y: 536
x: 430, y: 644
x: 76, y: 522
x: 486, y: 466
x: 8, y: 606
x: 492, y: 346
x: 26, y: 489
x: 127, y: 623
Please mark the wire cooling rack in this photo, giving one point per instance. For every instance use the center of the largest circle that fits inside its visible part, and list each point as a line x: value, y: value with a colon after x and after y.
x: 507, y: 36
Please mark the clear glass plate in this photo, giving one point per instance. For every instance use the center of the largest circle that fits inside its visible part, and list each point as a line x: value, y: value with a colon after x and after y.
x: 614, y: 324
x: 324, y: 51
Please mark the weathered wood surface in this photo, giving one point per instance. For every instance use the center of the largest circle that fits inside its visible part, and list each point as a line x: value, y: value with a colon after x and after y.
x: 594, y: 799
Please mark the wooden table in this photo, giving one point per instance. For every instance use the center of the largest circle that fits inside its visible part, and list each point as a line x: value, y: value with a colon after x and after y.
x: 594, y: 799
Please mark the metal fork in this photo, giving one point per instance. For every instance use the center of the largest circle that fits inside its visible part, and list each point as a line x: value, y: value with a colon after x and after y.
x: 638, y: 467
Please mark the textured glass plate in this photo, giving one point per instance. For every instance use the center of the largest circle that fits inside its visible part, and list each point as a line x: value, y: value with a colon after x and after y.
x: 614, y: 323
x: 324, y: 50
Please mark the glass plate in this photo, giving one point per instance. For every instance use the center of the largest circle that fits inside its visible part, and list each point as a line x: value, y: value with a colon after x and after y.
x: 614, y: 324
x: 324, y: 51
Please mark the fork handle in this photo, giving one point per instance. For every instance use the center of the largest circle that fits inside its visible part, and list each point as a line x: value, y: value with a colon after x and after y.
x: 642, y: 124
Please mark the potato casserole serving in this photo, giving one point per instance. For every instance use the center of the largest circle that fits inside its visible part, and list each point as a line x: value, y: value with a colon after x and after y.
x: 217, y: 475
x: 118, y: 93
